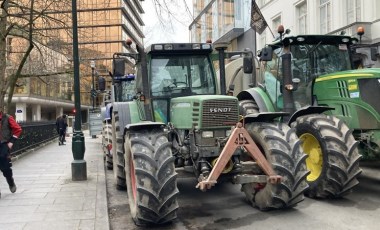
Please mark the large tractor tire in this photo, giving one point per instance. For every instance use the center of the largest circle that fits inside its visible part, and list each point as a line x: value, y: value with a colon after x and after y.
x: 150, y: 177
x: 107, y: 145
x: 282, y: 149
x: 333, y: 157
x: 118, y: 153
x: 248, y: 107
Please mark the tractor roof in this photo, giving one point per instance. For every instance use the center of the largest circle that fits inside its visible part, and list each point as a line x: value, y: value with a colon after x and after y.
x: 179, y: 48
x: 315, y: 39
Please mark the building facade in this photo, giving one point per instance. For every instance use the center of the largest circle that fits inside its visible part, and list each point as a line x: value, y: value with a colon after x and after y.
x: 326, y: 17
x: 229, y: 21
x: 103, y: 29
x: 226, y: 21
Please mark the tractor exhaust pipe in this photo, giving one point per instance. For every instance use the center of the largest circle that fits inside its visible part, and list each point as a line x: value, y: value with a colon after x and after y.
x: 287, y: 85
x: 221, y: 47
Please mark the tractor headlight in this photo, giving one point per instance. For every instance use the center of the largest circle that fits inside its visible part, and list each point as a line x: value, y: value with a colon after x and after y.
x: 158, y: 47
x: 207, y: 134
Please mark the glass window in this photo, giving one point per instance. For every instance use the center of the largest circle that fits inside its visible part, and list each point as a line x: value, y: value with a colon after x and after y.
x: 325, y: 16
x: 263, y: 39
x: 302, y: 17
x: 228, y: 14
x: 275, y: 23
x: 353, y: 11
x: 181, y: 76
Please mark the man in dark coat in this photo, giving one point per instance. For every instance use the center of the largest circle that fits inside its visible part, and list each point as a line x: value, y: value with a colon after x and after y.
x: 61, y: 125
x: 9, y: 133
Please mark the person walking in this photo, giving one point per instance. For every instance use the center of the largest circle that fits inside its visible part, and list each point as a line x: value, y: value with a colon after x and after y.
x: 10, y: 131
x: 61, y: 125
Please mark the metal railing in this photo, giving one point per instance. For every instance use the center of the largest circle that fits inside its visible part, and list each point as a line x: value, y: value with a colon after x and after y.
x: 34, y: 134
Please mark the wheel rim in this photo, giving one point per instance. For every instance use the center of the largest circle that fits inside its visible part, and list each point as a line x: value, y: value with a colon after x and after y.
x: 133, y: 178
x: 314, y: 161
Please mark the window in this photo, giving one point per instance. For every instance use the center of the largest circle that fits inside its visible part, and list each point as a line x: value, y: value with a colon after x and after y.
x: 353, y: 11
x: 263, y: 39
x: 181, y: 75
x: 302, y: 17
x: 325, y: 16
x: 261, y: 3
x: 275, y: 23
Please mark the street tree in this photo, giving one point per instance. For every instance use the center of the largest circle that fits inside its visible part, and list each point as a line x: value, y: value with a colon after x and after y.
x: 169, y: 14
x: 23, y: 23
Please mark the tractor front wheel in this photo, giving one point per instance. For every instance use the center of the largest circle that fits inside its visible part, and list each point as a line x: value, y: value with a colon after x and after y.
x: 107, y: 145
x: 282, y: 149
x: 150, y: 177
x: 333, y: 157
x: 117, y: 153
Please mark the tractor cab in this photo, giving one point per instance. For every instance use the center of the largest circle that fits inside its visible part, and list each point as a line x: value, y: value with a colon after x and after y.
x: 178, y: 70
x: 312, y: 56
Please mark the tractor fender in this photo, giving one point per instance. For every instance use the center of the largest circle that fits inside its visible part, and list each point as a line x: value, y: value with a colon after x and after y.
x: 143, y: 125
x: 124, y: 113
x: 263, y: 117
x: 308, y: 110
x: 129, y: 117
x: 258, y: 95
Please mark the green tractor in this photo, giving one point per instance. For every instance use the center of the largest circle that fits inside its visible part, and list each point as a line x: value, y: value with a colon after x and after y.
x: 181, y: 124
x: 306, y: 76
x: 122, y: 91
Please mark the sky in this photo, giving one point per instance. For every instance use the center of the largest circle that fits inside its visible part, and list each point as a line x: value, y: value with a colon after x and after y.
x: 173, y: 28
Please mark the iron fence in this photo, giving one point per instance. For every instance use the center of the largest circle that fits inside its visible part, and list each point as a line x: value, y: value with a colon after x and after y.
x: 34, y: 134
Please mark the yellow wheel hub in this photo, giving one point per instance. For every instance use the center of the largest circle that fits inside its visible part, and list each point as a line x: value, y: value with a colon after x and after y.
x: 314, y: 161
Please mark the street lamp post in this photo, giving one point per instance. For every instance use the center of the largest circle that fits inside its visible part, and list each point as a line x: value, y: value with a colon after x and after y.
x: 93, y: 91
x: 78, y: 166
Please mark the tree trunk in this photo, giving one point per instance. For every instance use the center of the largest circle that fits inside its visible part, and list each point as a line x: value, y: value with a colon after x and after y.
x: 3, y: 53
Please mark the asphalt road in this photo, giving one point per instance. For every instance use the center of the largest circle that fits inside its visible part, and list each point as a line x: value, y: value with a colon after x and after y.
x: 224, y: 207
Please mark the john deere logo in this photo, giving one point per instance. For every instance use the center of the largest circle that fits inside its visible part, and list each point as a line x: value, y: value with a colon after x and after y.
x: 220, y: 110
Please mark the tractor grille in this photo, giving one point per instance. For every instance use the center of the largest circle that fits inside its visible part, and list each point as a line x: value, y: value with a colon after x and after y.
x: 370, y: 92
x: 219, y: 113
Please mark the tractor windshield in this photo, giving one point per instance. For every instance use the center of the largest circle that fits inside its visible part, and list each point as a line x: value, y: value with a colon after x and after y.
x: 313, y: 60
x: 176, y: 76
x: 181, y: 75
x: 308, y: 62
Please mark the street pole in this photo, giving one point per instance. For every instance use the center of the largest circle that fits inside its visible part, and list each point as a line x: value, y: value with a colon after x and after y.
x: 78, y: 166
x: 92, y: 64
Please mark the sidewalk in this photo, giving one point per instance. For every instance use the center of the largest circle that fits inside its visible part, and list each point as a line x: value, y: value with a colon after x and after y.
x: 46, y: 196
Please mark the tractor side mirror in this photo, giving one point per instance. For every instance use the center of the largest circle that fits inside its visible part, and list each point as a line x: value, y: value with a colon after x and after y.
x: 374, y: 54
x: 118, y: 67
x: 266, y: 54
x: 247, y: 64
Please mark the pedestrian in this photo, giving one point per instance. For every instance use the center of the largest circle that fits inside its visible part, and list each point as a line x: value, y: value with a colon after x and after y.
x: 10, y: 131
x: 61, y: 125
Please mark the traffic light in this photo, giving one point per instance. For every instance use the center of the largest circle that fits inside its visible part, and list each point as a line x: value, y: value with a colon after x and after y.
x: 101, y: 83
x: 73, y: 111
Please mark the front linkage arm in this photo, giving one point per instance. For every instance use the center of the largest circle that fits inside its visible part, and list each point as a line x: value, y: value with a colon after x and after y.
x: 239, y: 138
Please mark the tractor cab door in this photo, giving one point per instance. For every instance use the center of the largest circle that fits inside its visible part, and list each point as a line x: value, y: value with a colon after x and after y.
x: 271, y: 79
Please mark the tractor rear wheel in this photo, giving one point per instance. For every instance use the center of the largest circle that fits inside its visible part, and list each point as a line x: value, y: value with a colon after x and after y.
x: 283, y: 151
x: 150, y: 177
x: 248, y: 107
x: 117, y: 153
x: 333, y: 157
x: 107, y: 145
